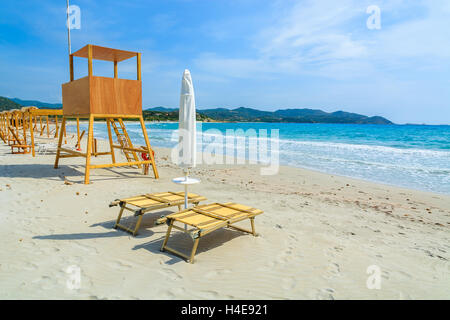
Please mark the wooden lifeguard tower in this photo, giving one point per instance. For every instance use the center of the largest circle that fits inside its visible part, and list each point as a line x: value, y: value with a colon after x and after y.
x: 111, y: 99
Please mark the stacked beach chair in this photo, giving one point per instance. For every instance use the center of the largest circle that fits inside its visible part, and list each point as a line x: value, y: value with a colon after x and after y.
x: 197, y: 221
x: 19, y: 128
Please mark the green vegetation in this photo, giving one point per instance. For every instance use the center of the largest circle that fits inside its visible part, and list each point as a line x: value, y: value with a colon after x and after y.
x: 286, y: 116
x: 39, y: 104
x: 150, y: 115
x: 8, y: 104
x: 230, y: 115
x: 290, y: 115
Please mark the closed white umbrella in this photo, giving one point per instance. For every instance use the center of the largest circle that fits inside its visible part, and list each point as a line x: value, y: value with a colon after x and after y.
x: 187, y: 123
x: 187, y: 150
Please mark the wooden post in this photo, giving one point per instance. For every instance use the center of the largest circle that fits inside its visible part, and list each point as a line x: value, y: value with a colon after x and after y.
x: 147, y: 143
x: 116, y: 74
x: 89, y: 60
x: 78, y: 131
x: 1, y: 127
x: 32, y: 135
x: 65, y: 136
x: 58, y: 151
x: 71, y: 68
x: 138, y: 66
x: 24, y: 129
x: 89, y: 148
x: 48, y: 129
x: 113, y: 157
x: 16, y: 120
x: 56, y: 124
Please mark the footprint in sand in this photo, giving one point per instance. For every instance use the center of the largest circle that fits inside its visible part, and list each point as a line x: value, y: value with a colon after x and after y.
x: 405, y: 275
x: 167, y: 295
x: 30, y: 266
x: 46, y: 282
x: 322, y: 294
x: 333, y: 270
x: 88, y: 249
x: 216, y: 273
x: 170, y: 274
x: 288, y: 283
x: 210, y: 294
x: 179, y: 291
x: 119, y: 265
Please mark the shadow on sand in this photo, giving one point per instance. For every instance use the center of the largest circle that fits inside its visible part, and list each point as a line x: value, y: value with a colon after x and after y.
x: 183, y: 243
x: 38, y: 171
x: 72, y: 173
x: 178, y: 240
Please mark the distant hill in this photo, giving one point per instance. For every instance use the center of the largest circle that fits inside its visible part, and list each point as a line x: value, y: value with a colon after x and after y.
x: 229, y: 115
x: 8, y: 104
x: 164, y: 109
x: 39, y: 104
x: 291, y: 115
x: 156, y: 115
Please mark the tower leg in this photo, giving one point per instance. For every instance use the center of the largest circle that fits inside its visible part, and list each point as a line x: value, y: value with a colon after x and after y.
x: 58, y: 151
x: 147, y: 143
x: 113, y: 157
x: 89, y: 148
x: 78, y: 132
x: 56, y: 124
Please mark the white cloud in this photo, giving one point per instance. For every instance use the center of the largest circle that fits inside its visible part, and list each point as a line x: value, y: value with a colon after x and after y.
x: 329, y: 38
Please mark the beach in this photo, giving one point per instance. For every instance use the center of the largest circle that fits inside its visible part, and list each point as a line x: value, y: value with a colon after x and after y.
x: 318, y: 236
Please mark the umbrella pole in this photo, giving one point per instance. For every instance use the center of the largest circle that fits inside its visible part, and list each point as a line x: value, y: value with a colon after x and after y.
x: 186, y: 173
x: 185, y: 196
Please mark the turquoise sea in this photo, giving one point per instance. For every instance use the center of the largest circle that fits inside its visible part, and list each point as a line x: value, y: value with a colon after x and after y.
x: 413, y: 156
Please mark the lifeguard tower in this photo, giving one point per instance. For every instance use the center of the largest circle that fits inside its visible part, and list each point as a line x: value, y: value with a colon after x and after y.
x: 110, y: 99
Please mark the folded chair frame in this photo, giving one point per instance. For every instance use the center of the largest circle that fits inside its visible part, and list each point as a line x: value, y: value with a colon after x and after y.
x: 196, y: 231
x: 162, y: 202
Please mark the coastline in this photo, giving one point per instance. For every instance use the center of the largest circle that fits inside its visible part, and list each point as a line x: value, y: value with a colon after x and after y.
x: 370, y: 160
x: 318, y: 235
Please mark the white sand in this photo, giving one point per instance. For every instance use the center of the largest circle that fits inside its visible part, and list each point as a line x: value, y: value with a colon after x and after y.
x: 318, y: 235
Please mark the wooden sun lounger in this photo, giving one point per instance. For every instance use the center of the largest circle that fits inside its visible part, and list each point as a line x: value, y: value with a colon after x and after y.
x: 150, y: 202
x: 205, y: 219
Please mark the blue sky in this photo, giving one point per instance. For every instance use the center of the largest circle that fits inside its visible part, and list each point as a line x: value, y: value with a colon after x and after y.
x: 251, y: 53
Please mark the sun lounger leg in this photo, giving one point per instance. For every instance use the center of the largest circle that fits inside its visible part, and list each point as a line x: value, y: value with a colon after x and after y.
x: 252, y: 221
x: 253, y: 231
x: 138, y: 224
x: 194, y: 249
x: 119, y: 217
x: 167, y: 235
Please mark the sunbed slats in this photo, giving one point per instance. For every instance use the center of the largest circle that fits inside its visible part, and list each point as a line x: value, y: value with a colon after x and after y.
x: 148, y: 202
x: 208, y: 218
